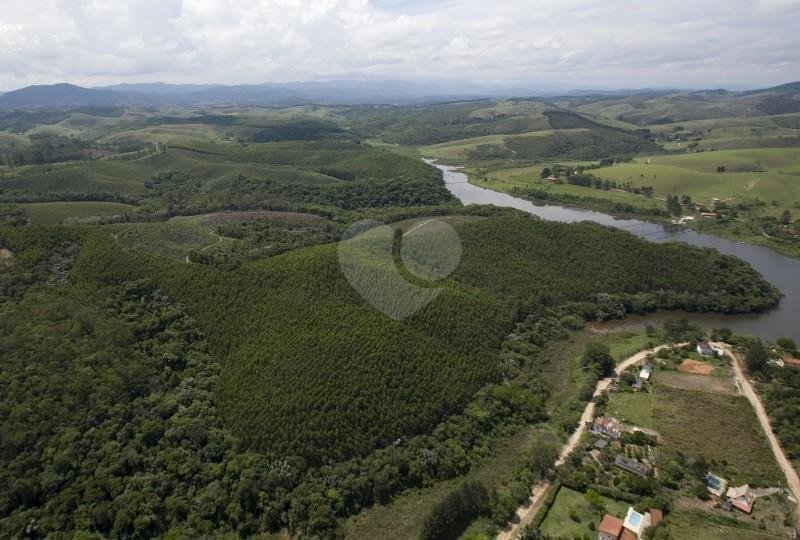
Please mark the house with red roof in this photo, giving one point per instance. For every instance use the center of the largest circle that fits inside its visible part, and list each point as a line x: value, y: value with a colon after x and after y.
x: 610, y: 528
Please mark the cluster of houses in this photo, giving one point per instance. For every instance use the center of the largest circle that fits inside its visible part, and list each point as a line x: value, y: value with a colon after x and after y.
x: 630, y: 528
x: 741, y: 498
x: 611, y: 428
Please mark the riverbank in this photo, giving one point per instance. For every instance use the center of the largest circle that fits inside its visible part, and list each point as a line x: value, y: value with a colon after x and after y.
x: 778, y: 269
x: 621, y: 206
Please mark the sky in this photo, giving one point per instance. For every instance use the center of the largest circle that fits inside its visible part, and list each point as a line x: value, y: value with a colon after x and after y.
x: 546, y: 44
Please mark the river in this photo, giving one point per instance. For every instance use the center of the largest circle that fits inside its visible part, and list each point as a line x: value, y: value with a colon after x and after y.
x: 781, y: 271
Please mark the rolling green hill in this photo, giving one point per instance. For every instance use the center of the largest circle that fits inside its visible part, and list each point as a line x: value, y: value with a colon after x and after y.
x: 296, y: 337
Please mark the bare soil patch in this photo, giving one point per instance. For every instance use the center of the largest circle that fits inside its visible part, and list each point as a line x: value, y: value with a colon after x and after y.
x: 696, y: 366
x: 5, y: 257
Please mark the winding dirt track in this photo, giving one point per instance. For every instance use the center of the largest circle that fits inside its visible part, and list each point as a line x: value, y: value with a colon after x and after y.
x: 747, y: 389
x: 524, y: 514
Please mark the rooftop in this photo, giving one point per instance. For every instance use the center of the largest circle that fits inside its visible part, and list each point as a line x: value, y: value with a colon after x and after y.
x: 611, y: 525
x: 791, y: 361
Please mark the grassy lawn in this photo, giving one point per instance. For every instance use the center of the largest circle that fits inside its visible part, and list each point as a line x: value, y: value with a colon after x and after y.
x: 559, y: 524
x: 58, y: 212
x: 625, y: 344
x: 632, y: 407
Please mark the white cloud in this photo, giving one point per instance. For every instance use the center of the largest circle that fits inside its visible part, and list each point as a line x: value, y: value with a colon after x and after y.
x: 576, y: 42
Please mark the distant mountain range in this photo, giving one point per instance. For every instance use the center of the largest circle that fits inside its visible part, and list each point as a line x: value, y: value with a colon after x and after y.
x: 160, y: 94
x: 332, y: 93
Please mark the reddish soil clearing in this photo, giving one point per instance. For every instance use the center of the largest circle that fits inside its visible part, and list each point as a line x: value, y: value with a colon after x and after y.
x: 696, y: 366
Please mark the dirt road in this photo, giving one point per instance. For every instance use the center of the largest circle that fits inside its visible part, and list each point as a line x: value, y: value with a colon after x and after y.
x: 747, y: 389
x: 525, y: 514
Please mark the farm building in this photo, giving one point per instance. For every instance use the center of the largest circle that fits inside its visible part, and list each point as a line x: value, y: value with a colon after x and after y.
x: 633, y: 466
x: 715, y: 484
x: 741, y: 498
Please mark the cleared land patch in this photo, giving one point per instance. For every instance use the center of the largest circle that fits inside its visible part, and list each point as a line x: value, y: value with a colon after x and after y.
x: 700, y: 383
x: 60, y: 212
x: 696, y: 366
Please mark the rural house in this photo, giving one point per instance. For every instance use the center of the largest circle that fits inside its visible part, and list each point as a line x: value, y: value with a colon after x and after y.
x: 704, y: 348
x: 741, y: 498
x: 643, y: 377
x: 631, y: 528
x: 715, y: 485
x: 606, y: 426
x: 633, y: 466
x: 600, y: 444
x: 610, y: 528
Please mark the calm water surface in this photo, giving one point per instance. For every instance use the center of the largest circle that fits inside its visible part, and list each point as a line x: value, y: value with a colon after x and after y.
x: 781, y: 271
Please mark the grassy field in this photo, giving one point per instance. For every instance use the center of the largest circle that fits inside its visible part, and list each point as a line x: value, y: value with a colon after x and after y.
x: 767, y: 173
x: 701, y: 415
x: 560, y: 524
x: 719, y: 427
x: 60, y: 212
x: 687, y: 524
x: 635, y: 408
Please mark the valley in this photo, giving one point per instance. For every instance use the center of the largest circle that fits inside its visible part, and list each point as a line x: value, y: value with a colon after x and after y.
x: 174, y: 276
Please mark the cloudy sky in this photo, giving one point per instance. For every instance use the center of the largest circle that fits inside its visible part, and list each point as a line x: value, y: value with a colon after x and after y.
x: 536, y: 43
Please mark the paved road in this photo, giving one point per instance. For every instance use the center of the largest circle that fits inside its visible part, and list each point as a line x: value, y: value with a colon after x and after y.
x: 747, y: 389
x: 525, y: 514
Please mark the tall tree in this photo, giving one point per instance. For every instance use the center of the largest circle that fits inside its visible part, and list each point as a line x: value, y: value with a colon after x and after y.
x: 756, y: 357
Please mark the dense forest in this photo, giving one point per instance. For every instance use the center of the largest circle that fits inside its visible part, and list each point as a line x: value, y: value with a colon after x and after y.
x: 280, y: 363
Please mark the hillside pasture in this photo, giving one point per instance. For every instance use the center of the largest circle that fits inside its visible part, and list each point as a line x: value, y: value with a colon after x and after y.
x: 719, y: 427
x: 65, y: 212
x: 457, y: 151
x: 129, y: 176
x: 767, y: 173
